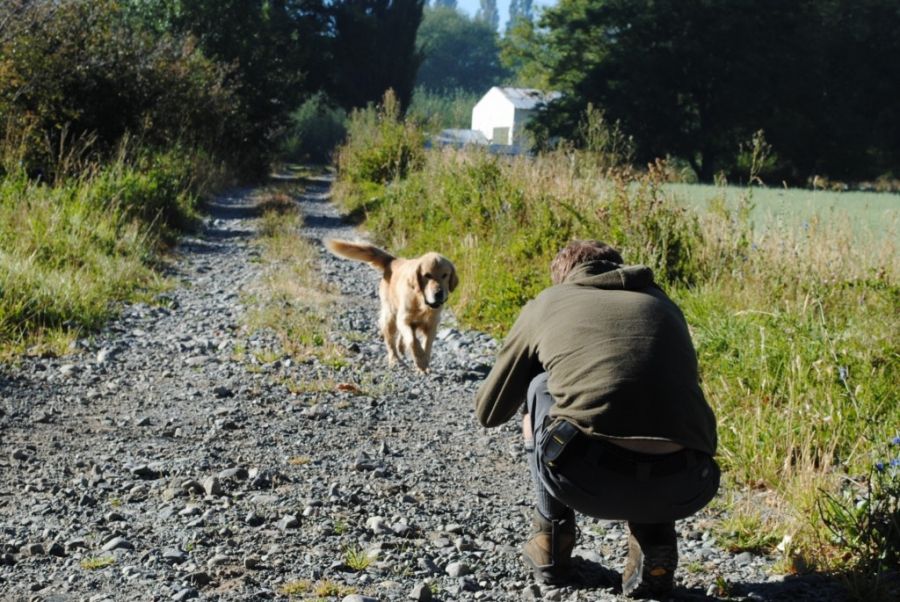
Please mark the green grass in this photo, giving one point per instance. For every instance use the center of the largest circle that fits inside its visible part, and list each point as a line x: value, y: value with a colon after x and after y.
x: 795, y: 323
x: 72, y: 250
x: 442, y: 111
x: 289, y: 299
x: 871, y: 216
x: 356, y: 558
x: 93, y: 564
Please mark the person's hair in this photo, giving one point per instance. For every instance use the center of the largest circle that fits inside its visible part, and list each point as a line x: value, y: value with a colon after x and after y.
x: 580, y: 251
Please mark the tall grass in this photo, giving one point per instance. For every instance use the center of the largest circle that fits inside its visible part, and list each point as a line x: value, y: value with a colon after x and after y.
x: 438, y: 111
x: 70, y: 250
x: 796, y: 330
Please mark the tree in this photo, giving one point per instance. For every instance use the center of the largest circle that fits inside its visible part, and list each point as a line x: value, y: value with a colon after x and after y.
x: 74, y: 73
x: 488, y: 13
x: 696, y: 78
x: 374, y: 49
x: 460, y: 53
x: 443, y: 4
x: 519, y: 9
x: 277, y: 50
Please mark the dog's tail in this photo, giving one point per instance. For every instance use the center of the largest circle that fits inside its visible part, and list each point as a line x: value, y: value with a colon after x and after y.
x: 377, y: 258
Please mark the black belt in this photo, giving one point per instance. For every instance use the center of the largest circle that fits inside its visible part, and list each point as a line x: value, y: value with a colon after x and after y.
x: 565, y: 442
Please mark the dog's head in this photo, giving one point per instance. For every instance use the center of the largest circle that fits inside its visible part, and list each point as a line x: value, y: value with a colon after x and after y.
x: 436, y: 277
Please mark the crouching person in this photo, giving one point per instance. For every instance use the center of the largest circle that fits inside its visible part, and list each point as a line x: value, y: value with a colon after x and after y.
x: 616, y: 425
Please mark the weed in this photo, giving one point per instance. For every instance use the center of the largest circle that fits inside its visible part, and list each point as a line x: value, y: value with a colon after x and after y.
x: 340, y: 527
x: 296, y: 588
x: 93, y: 564
x: 326, y: 587
x: 356, y: 558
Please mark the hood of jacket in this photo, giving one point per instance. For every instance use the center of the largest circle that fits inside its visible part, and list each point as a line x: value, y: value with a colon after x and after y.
x: 609, y: 275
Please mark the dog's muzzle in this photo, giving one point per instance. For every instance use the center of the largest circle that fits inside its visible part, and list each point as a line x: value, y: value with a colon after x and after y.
x: 434, y: 304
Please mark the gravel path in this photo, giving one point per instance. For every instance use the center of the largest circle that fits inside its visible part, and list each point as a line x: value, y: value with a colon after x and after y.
x: 164, y: 451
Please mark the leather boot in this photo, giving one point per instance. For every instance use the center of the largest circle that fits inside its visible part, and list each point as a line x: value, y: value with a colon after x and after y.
x: 549, y: 551
x: 652, y: 559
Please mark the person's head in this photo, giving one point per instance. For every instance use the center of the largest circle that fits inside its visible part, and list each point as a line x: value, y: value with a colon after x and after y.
x: 580, y: 251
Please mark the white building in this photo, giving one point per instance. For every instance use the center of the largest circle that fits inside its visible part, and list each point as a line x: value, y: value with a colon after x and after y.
x: 502, y: 113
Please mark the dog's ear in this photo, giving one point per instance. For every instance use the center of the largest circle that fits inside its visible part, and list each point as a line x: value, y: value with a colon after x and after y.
x: 454, y: 279
x: 419, y: 284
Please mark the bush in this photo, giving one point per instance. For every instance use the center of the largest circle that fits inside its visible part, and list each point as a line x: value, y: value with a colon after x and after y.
x: 316, y: 129
x: 75, y: 76
x: 438, y: 111
x: 380, y: 147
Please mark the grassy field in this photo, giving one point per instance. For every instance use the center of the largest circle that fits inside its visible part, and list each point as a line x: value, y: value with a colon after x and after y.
x: 873, y: 217
x: 795, y: 323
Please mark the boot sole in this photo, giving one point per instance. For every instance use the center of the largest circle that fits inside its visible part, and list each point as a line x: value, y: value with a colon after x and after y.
x: 655, y: 575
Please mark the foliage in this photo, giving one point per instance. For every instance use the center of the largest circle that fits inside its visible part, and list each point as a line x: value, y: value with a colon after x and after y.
x: 731, y: 68
x: 488, y: 14
x: 459, y: 53
x: 70, y: 249
x: 356, y: 558
x: 276, y: 52
x: 519, y: 10
x: 380, y: 147
x: 374, y: 50
x: 316, y: 128
x: 93, y: 564
x: 76, y: 74
x: 437, y: 111
x: 864, y: 518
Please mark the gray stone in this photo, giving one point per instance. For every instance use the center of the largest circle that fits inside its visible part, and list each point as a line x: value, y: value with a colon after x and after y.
x: 421, y: 592
x: 117, y: 543
x: 174, y: 556
x: 288, y: 521
x: 187, y: 593
x: 212, y: 486
x: 457, y: 569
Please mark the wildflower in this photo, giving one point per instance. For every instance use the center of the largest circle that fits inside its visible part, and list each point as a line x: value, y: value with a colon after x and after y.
x: 895, y: 462
x: 895, y: 441
x: 879, y: 466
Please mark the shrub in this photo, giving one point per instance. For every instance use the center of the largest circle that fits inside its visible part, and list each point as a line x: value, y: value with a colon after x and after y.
x: 438, y: 111
x: 381, y: 147
x: 315, y: 130
x: 77, y: 72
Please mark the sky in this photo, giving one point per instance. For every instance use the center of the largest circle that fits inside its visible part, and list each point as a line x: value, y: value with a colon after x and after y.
x: 470, y: 7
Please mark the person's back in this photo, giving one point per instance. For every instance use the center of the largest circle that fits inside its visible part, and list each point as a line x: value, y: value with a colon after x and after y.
x: 619, y: 357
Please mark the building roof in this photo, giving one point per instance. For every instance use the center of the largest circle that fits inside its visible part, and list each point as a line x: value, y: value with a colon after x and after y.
x: 528, y: 98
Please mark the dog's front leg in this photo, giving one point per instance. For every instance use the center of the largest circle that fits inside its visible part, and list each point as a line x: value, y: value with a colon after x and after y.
x: 388, y: 323
x: 410, y: 341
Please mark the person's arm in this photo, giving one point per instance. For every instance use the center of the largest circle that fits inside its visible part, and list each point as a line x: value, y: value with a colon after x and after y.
x: 506, y: 386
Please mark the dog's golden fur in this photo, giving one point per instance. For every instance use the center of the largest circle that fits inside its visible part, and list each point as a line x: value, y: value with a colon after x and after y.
x: 412, y: 292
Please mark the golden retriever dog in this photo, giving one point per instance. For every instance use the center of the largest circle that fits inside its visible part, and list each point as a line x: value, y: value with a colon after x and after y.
x: 412, y: 292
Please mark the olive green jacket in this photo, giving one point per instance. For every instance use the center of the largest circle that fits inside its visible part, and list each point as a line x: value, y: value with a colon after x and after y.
x: 618, y: 355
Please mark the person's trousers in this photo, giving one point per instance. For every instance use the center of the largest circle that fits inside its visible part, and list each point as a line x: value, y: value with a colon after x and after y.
x: 572, y: 470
